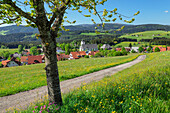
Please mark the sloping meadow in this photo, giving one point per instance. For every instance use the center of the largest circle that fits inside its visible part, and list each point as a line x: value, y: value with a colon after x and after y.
x: 23, y: 78
x: 143, y: 88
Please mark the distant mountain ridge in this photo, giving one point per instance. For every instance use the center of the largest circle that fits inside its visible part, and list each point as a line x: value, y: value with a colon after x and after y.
x: 89, y: 27
x: 21, y: 33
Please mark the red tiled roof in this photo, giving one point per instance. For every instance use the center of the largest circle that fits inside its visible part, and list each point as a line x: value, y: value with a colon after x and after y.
x: 118, y: 49
x: 34, y: 59
x: 75, y: 55
x: 95, y: 52
x: 91, y: 53
x: 28, y: 53
x: 82, y: 53
x: 24, y: 58
x: 62, y: 56
x: 5, y: 62
x: 161, y: 48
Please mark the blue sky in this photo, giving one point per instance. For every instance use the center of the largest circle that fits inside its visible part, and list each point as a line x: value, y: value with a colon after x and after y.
x: 151, y: 11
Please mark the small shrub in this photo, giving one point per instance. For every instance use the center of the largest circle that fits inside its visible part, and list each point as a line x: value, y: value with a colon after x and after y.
x: 133, y: 51
x: 86, y: 56
x: 157, y: 49
x: 141, y: 49
x: 149, y: 49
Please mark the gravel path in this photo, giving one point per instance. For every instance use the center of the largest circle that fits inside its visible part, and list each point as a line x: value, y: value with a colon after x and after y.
x: 23, y: 99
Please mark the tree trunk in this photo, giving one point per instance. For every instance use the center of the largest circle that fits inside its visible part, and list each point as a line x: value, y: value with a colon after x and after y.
x: 53, y: 83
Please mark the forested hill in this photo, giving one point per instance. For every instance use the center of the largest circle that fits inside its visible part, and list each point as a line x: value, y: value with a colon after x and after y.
x: 88, y: 27
x: 17, y: 29
x: 21, y: 33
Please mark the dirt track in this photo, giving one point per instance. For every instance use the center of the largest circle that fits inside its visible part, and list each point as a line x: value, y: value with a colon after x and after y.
x: 23, y: 99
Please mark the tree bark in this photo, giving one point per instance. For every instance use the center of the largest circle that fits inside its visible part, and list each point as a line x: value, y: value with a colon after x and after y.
x: 53, y: 83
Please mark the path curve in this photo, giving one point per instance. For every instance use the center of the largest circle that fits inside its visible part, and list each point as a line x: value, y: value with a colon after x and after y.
x: 23, y: 99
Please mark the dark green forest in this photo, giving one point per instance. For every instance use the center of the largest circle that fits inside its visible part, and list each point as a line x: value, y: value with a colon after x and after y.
x: 12, y: 36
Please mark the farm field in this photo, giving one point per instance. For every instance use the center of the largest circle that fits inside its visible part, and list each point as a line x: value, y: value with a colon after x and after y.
x: 3, y: 32
x: 96, y: 34
x: 10, y: 50
x: 134, y: 44
x: 142, y: 88
x: 147, y: 35
x: 23, y: 78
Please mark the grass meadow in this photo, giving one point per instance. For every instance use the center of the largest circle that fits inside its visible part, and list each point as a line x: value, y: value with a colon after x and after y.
x: 3, y: 32
x: 143, y: 88
x: 12, y: 51
x: 23, y: 78
x: 148, y: 35
x: 134, y: 44
x: 96, y: 34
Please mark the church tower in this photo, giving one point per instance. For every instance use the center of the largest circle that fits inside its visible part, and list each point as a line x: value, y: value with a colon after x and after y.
x: 81, y: 46
x: 82, y: 42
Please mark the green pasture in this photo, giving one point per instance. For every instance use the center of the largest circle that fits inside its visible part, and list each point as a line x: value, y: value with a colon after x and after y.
x: 95, y: 34
x: 134, y: 44
x: 10, y: 50
x: 147, y: 35
x: 23, y: 78
x: 143, y: 88
x: 3, y: 32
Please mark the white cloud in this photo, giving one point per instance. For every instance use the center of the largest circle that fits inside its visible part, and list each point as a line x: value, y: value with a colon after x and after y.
x: 166, y: 11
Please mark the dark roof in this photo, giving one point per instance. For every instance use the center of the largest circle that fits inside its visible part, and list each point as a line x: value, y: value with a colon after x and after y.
x: 90, y: 46
x: 5, y: 62
x: 106, y: 46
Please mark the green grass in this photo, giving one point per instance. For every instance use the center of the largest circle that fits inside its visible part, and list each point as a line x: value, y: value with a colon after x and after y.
x: 147, y: 35
x: 23, y: 78
x: 10, y: 50
x: 96, y: 34
x: 134, y: 44
x: 143, y: 88
x: 3, y: 32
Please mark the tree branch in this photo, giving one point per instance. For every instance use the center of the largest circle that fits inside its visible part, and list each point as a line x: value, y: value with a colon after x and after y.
x: 62, y: 8
x: 20, y: 11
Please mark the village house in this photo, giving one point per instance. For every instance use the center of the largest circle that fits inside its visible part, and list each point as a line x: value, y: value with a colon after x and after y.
x: 11, y: 63
x: 106, y: 46
x: 135, y: 49
x: 24, y: 60
x: 88, y: 47
x: 35, y: 59
x: 128, y: 49
x: 15, y: 55
x: 162, y: 48
x: 26, y: 53
x: 92, y: 53
x: 59, y: 50
x: 77, y: 55
x: 61, y: 57
x: 118, y: 49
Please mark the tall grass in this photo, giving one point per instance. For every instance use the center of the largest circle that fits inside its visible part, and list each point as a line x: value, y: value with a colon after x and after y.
x: 143, y: 88
x: 23, y: 78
